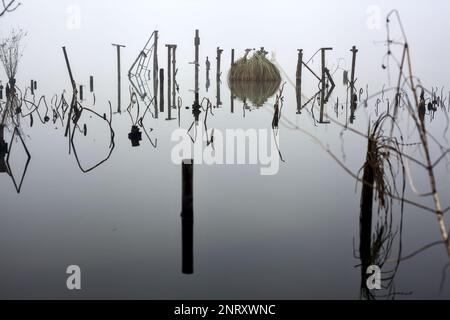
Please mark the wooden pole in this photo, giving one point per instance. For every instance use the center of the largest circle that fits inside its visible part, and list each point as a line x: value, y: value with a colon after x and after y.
x: 119, y: 80
x: 187, y: 216
x: 81, y: 92
x: 174, y: 71
x: 169, y: 75
x: 232, y: 57
x: 323, y: 84
x: 352, y: 81
x: 197, y: 62
x: 218, y: 58
x: 322, y: 91
x: 353, y: 101
x: 298, y: 83
x: 219, y: 54
x: 161, y: 90
x: 91, y: 83
x: 155, y: 70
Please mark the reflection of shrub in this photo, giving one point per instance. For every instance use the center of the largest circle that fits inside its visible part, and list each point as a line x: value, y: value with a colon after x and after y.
x: 256, y: 68
x: 256, y: 92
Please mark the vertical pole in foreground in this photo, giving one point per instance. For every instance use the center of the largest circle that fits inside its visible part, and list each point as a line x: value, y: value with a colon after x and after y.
x: 119, y: 84
x: 187, y: 216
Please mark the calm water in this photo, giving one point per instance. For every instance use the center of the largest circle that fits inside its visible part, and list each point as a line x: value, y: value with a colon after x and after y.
x: 293, y: 235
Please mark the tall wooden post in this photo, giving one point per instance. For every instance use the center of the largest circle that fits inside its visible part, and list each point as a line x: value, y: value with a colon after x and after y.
x: 155, y: 70
x: 323, y: 83
x: 197, y: 62
x: 174, y: 74
x: 352, y: 81
x: 119, y: 84
x: 298, y: 83
x: 169, y: 76
x: 353, y: 97
x: 161, y: 90
x: 218, y: 58
x: 187, y: 216
x: 91, y: 83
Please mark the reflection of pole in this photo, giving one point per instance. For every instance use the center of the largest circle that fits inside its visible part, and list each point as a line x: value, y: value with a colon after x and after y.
x: 365, y: 218
x: 298, y: 84
x: 119, y: 84
x: 187, y: 216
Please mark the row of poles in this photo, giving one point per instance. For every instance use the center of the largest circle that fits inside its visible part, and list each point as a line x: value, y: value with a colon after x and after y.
x: 324, y: 79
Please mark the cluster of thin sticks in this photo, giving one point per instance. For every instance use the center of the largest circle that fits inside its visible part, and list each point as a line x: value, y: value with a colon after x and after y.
x: 409, y: 96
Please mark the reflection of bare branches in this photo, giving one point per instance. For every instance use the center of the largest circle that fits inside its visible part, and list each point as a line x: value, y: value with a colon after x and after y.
x: 278, y: 107
x: 111, y: 145
x: 138, y: 120
x: 18, y: 184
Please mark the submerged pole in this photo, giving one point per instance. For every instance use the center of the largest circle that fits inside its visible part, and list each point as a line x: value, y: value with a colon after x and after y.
x: 187, y: 216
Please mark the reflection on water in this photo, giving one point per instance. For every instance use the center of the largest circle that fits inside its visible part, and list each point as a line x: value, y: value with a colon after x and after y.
x: 403, y: 151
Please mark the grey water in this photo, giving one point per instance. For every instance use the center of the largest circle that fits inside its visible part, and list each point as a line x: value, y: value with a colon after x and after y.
x: 292, y: 235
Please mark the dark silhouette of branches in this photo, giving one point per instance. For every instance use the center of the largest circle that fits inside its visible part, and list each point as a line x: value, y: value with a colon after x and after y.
x: 8, y: 6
